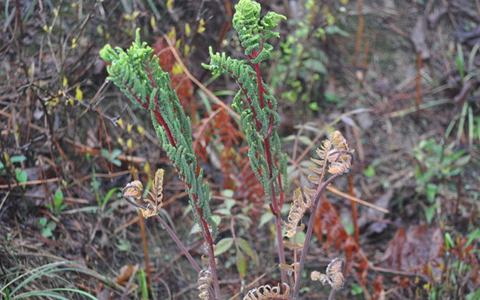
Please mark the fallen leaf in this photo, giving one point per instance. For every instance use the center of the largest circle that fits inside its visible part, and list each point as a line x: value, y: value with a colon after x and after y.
x: 411, y: 250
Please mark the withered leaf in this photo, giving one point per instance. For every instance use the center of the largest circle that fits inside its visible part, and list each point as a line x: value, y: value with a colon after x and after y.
x: 133, y: 190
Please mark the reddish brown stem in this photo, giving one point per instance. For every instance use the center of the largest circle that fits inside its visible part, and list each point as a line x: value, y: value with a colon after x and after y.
x: 358, y: 41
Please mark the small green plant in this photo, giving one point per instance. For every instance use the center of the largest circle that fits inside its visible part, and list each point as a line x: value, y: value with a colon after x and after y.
x: 21, y: 175
x: 438, y: 165
x: 468, y: 123
x: 112, y: 156
x: 301, y: 71
x: 11, y: 160
x: 457, y: 263
x: 138, y: 74
x: 47, y: 227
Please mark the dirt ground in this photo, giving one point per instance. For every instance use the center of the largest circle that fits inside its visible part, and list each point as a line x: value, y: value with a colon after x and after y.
x: 400, y: 80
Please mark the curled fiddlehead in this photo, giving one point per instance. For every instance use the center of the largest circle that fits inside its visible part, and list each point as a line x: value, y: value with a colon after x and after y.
x: 295, y: 215
x: 204, y: 281
x: 268, y: 292
x: 333, y: 275
x: 135, y: 190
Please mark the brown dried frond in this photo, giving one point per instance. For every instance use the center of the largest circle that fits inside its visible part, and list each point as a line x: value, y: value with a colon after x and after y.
x: 294, y: 246
x: 339, y: 167
x: 158, y: 185
x: 204, y: 281
x: 289, y: 268
x: 268, y: 292
x: 309, y: 195
x: 322, y: 152
x: 340, y: 156
x: 133, y: 190
x: 333, y: 276
x: 295, y: 215
x: 333, y: 153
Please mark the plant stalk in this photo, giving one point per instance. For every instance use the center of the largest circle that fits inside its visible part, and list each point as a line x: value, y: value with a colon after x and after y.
x: 311, y: 222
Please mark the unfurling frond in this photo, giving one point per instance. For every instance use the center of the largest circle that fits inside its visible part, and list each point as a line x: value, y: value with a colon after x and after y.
x: 333, y: 276
x: 133, y: 190
x: 138, y: 74
x: 158, y: 185
x: 297, y: 210
x: 204, y: 281
x: 268, y: 292
x: 340, y: 157
x: 154, y: 204
x: 319, y: 172
x: 334, y: 154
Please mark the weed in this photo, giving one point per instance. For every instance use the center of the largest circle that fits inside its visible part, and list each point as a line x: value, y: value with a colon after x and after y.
x: 438, y: 166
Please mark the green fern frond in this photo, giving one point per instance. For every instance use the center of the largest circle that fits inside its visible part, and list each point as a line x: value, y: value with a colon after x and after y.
x: 253, y: 31
x: 138, y: 74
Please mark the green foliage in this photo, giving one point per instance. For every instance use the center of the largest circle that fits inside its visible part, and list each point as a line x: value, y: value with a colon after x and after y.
x: 456, y: 267
x: 112, y: 157
x: 18, y: 288
x: 242, y: 250
x: 142, y: 278
x: 21, y: 175
x: 11, y: 160
x: 460, y: 61
x: 439, y: 163
x: 438, y: 166
x: 253, y: 31
x: 301, y: 70
x: 138, y: 74
x: 47, y: 227
x: 58, y: 204
x: 255, y: 102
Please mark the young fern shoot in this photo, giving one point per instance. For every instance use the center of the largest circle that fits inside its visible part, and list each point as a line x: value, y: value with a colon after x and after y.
x: 256, y: 104
x: 139, y: 76
x: 335, y: 159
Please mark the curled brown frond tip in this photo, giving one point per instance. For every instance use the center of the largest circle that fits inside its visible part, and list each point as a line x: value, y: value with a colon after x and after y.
x: 268, y: 292
x: 297, y: 210
x: 135, y: 190
x: 333, y: 275
x: 334, y: 154
x: 204, y: 281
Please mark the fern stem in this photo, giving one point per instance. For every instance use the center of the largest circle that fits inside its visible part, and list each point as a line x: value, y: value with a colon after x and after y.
x: 261, y: 89
x: 207, y: 235
x: 311, y: 222
x: 162, y: 122
x: 275, y: 206
x: 178, y: 242
x: 249, y: 100
x: 132, y: 93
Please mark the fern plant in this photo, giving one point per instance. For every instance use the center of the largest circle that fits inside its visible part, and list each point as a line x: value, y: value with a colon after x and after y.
x: 138, y: 75
x: 256, y: 104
